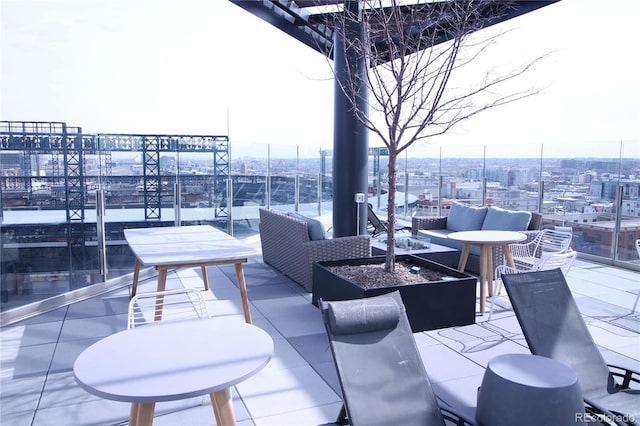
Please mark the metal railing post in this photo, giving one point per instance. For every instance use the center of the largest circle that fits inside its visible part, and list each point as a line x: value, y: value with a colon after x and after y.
x: 100, y: 231
x: 177, y: 201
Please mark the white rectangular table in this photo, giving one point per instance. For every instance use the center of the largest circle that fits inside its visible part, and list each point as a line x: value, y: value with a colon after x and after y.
x: 177, y: 247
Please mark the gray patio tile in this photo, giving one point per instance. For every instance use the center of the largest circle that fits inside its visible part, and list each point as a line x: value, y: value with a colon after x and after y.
x: 485, y: 351
x: 299, y: 324
x: 328, y: 372
x: 284, y: 306
x: 20, y: 395
x: 30, y: 334
x: 313, y: 348
x: 597, y: 308
x: 62, y: 389
x: 22, y: 418
x: 461, y: 393
x: 321, y: 415
x: 424, y: 339
x: 629, y: 322
x: 285, y: 355
x: 25, y: 361
x: 611, y: 336
x: 506, y: 326
x: 195, y: 411
x: 443, y: 363
x: 630, y: 361
x: 98, y: 306
x: 272, y: 291
x: 99, y: 412
x: 85, y: 328
x: 67, y: 352
x: 273, y: 391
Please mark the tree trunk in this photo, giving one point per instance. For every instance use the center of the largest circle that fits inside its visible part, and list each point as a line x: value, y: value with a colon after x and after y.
x: 390, y: 263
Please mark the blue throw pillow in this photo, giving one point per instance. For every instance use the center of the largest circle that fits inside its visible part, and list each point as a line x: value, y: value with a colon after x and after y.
x: 465, y: 218
x: 506, y: 220
x: 315, y: 227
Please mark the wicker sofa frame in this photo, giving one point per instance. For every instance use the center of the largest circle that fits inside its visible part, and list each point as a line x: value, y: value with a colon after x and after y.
x: 286, y: 246
x: 433, y: 223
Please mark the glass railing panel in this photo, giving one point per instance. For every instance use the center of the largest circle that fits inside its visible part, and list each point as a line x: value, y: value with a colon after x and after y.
x: 249, y: 180
x: 310, y: 182
x: 419, y: 172
x: 283, y: 168
x: 629, y: 230
x: 462, y: 170
x: 580, y: 187
x: 512, y: 174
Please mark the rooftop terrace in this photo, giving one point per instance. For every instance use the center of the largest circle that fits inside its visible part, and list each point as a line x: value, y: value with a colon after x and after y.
x: 299, y: 386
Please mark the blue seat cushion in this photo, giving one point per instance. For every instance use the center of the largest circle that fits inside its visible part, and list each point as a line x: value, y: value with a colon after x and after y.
x: 439, y: 237
x: 314, y: 227
x: 465, y: 218
x: 498, y: 219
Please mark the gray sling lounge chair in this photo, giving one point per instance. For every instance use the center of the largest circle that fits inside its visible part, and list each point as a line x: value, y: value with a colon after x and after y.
x: 553, y: 327
x: 382, y: 376
x: 376, y: 226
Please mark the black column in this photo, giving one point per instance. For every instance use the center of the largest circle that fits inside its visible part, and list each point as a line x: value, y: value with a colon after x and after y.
x: 350, y: 138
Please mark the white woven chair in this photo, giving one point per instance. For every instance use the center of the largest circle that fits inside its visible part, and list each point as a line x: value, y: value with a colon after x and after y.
x: 547, y: 241
x: 146, y: 308
x: 546, y: 262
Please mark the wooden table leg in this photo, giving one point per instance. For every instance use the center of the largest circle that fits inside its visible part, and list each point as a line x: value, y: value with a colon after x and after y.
x: 205, y: 277
x: 223, y: 407
x: 136, y: 275
x: 483, y: 276
x: 162, y: 284
x: 242, y: 284
x: 145, y: 413
x: 507, y: 255
x: 133, y: 416
x: 462, y: 263
x: 490, y: 271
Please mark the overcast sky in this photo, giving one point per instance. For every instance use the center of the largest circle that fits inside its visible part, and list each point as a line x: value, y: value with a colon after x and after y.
x: 209, y: 67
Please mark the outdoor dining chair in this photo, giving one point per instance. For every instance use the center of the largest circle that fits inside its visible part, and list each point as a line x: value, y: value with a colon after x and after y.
x: 146, y: 308
x: 526, y: 255
x: 564, y: 261
x: 554, y: 327
x: 381, y: 373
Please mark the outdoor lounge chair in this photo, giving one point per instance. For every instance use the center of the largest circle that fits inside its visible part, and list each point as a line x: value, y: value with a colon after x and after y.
x: 382, y: 376
x: 553, y: 327
x: 377, y: 226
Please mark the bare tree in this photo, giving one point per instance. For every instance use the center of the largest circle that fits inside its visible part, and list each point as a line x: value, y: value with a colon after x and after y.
x: 412, y: 91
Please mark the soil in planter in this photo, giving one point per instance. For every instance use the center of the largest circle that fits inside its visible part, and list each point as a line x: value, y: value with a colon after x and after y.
x: 374, y: 275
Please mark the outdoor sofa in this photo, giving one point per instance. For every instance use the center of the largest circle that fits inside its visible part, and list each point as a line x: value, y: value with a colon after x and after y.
x: 291, y: 243
x: 463, y: 217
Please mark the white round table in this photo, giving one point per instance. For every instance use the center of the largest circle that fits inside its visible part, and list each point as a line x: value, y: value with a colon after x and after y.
x: 174, y: 360
x: 486, y: 240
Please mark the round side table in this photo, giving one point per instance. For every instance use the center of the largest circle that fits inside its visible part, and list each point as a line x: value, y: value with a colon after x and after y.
x: 522, y: 389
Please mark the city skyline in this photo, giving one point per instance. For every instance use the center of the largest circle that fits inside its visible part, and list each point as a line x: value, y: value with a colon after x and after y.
x: 202, y: 67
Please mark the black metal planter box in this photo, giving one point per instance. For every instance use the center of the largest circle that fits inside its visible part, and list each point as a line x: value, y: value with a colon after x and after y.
x: 430, y: 305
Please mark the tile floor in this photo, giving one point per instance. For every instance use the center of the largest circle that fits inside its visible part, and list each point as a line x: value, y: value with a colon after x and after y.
x: 299, y: 386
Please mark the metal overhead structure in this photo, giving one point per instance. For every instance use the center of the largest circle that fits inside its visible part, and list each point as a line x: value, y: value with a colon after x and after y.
x: 312, y: 21
x: 318, y: 24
